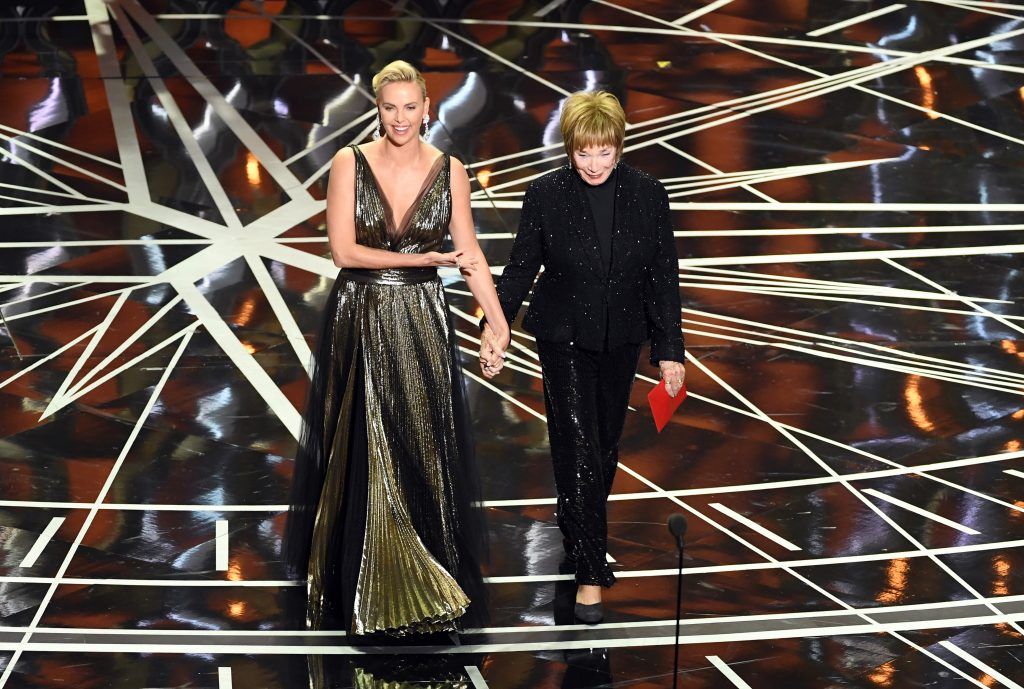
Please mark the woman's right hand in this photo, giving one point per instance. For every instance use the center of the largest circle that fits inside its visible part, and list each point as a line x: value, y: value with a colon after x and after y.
x: 436, y: 259
x: 501, y: 340
x: 492, y: 353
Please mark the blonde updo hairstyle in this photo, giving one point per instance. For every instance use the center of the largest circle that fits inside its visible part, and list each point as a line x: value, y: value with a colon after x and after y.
x: 592, y: 118
x: 398, y: 71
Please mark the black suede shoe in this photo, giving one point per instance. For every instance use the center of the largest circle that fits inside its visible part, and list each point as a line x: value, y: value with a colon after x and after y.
x: 590, y: 614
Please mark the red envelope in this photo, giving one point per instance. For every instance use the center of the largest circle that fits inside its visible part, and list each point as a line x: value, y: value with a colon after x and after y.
x: 662, y: 406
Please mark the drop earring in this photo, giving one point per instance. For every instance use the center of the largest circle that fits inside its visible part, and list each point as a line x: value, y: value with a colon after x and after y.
x: 378, y: 129
x: 426, y: 125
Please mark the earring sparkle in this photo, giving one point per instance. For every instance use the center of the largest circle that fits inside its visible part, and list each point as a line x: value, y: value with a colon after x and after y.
x: 426, y: 125
x: 378, y: 129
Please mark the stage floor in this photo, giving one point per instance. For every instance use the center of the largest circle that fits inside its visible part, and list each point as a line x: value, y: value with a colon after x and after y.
x: 848, y: 202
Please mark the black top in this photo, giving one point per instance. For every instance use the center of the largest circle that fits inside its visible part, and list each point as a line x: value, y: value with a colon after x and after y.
x: 602, y: 206
x: 576, y: 298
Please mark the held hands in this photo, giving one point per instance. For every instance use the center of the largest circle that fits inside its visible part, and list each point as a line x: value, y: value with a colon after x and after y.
x: 674, y: 375
x: 436, y: 259
x: 492, y: 351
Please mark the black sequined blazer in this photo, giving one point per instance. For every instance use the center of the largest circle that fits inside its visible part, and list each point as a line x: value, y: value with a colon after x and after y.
x: 575, y: 299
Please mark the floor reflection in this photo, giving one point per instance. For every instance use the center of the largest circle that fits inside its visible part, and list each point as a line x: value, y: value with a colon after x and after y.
x: 390, y: 671
x: 588, y: 669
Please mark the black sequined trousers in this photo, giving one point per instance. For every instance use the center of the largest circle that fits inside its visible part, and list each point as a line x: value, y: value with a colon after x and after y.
x: 586, y: 394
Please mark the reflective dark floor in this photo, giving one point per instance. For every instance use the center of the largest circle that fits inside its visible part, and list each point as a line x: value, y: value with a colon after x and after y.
x: 848, y: 196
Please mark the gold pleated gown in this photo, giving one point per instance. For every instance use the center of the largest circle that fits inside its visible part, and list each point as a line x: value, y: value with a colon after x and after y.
x: 388, y: 376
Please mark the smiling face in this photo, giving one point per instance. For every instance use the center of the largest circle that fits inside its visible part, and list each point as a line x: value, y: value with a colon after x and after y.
x: 595, y: 162
x: 401, y: 106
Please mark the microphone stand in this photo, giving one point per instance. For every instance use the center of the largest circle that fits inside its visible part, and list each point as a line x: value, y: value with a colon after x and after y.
x: 679, y: 613
x: 677, y: 527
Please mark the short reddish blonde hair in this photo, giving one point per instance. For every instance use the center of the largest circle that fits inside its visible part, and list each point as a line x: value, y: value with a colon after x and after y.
x: 592, y: 118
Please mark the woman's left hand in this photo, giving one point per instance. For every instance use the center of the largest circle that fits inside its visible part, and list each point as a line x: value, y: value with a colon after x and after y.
x: 674, y: 375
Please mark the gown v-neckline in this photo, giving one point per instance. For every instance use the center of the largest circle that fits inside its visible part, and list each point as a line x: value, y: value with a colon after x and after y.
x: 394, y: 231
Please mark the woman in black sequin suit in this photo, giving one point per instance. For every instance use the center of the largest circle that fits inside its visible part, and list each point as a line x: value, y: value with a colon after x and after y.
x: 603, y: 234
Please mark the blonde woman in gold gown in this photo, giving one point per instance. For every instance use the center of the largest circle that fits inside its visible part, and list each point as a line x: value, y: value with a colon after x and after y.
x: 382, y: 523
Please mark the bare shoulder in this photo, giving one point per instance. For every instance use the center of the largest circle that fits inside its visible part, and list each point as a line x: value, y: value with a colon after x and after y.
x: 458, y: 170
x: 459, y: 178
x: 343, y: 172
x: 456, y: 164
x: 344, y: 159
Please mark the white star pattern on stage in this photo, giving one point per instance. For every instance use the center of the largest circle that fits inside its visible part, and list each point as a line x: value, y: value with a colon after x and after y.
x: 227, y: 237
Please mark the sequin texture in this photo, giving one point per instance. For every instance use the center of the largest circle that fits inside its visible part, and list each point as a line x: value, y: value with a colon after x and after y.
x: 586, y: 395
x: 589, y: 318
x: 575, y: 298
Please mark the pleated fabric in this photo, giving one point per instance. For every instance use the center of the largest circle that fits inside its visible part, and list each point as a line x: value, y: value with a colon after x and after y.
x: 382, y: 522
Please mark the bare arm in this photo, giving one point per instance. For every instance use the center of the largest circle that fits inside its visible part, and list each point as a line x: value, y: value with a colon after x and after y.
x: 341, y: 226
x: 479, y: 279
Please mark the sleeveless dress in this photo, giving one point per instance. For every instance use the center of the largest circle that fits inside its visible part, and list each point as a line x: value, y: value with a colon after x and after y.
x: 383, y: 522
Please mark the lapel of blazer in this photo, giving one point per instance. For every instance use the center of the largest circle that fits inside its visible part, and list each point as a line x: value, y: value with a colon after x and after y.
x: 582, y: 221
x: 625, y: 193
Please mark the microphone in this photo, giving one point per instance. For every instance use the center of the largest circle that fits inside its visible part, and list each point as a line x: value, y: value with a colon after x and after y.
x: 677, y: 527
